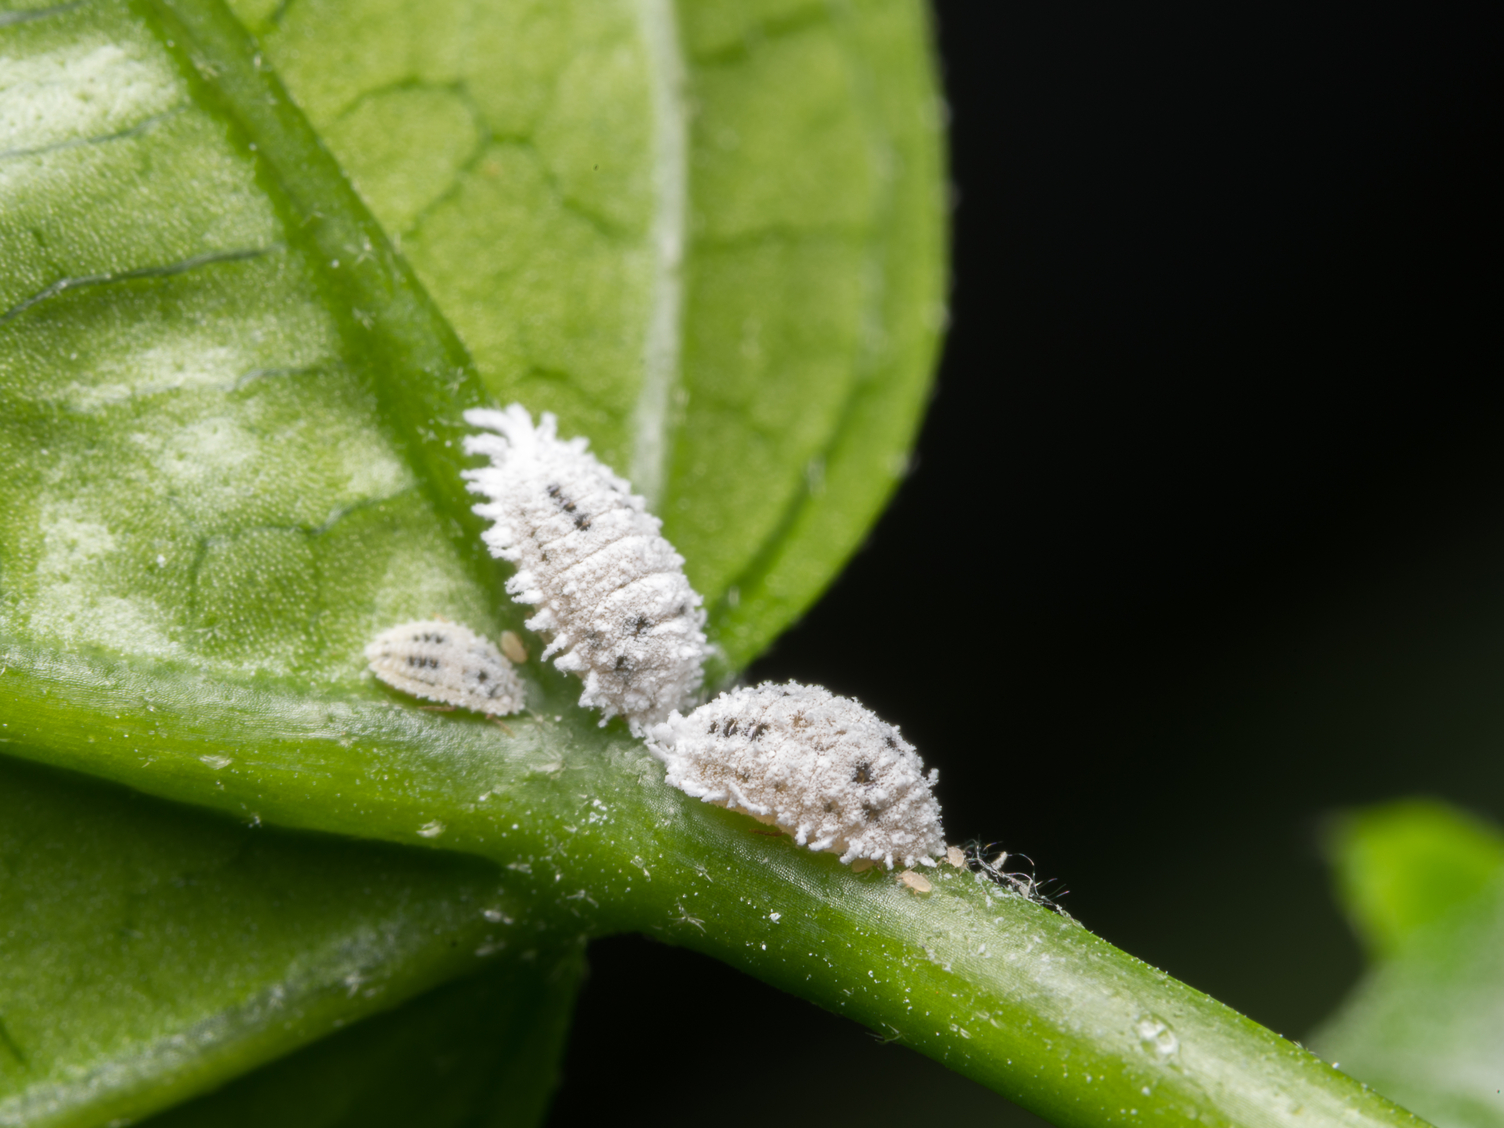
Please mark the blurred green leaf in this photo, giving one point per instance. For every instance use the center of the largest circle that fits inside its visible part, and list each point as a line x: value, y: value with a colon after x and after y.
x: 1402, y: 865
x: 151, y: 951
x: 481, y: 1052
x: 1424, y: 883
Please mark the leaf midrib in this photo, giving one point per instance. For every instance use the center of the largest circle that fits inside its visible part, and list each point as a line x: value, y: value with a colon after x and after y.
x: 663, y: 340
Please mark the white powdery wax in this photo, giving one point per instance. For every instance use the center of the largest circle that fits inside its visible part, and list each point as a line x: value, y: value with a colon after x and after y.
x: 446, y: 662
x: 610, y: 590
x: 818, y: 766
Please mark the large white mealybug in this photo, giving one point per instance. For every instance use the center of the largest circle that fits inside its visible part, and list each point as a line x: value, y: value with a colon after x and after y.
x: 818, y: 766
x: 446, y: 662
x: 610, y: 590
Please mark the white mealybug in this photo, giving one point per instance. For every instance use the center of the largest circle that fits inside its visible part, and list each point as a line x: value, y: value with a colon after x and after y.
x: 611, y: 591
x: 446, y: 662
x: 818, y: 766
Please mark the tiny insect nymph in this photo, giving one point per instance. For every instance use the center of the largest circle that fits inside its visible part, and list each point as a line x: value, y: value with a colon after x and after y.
x: 446, y: 662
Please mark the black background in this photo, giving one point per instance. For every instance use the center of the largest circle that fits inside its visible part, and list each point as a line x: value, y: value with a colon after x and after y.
x: 1206, y: 534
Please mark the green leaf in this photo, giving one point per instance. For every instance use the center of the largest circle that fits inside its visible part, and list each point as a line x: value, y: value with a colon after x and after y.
x: 1426, y: 1023
x: 201, y: 474
x: 483, y: 1050
x: 1402, y: 865
x: 151, y: 952
x: 633, y: 225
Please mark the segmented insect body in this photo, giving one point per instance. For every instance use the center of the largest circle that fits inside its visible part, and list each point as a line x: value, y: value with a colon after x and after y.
x: 446, y: 662
x: 818, y: 766
x: 610, y: 589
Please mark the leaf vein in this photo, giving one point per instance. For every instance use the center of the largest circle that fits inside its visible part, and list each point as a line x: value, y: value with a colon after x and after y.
x: 9, y: 1044
x: 9, y: 18
x: 62, y: 285
x: 663, y: 342
x: 140, y: 127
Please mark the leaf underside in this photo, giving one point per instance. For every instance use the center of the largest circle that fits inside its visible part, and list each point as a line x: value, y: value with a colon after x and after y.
x: 229, y: 413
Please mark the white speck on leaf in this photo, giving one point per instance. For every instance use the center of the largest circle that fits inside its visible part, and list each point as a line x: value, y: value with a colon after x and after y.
x: 1157, y: 1035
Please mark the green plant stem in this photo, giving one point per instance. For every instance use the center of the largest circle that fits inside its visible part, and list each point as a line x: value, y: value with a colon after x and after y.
x: 994, y: 986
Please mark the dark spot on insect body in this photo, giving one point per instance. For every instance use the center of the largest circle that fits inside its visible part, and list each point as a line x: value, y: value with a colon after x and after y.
x: 622, y: 663
x: 890, y: 741
x: 640, y: 624
x: 730, y: 729
x: 863, y: 773
x: 869, y: 812
x: 481, y: 675
x: 582, y: 521
x: 714, y: 727
x: 756, y: 731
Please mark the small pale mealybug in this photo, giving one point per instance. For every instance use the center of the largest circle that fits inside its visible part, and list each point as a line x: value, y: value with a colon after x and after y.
x: 915, y: 881
x: 817, y: 766
x: 610, y: 590
x: 446, y: 662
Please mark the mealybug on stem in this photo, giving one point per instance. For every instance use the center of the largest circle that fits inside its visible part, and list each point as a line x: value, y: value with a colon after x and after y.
x: 817, y: 766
